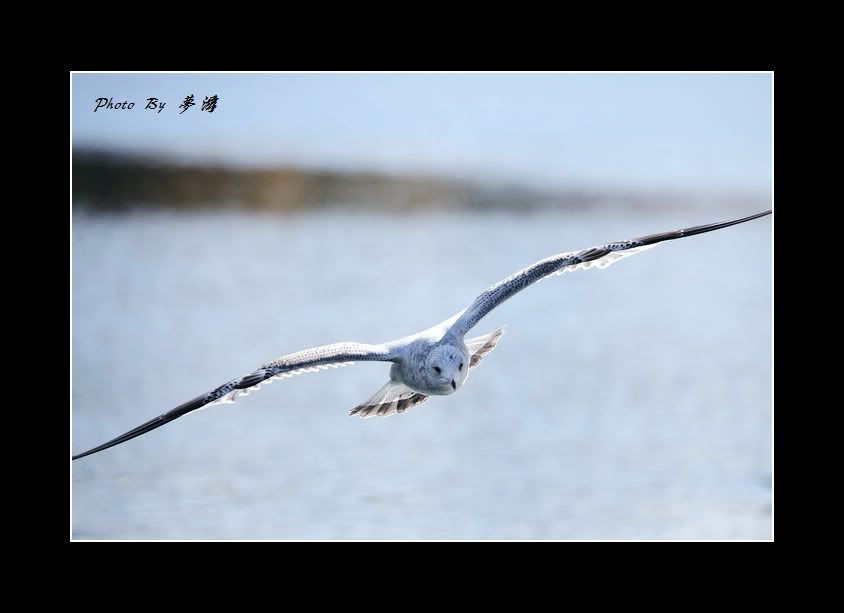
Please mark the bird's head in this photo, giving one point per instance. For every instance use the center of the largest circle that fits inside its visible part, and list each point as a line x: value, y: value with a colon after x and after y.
x: 447, y: 368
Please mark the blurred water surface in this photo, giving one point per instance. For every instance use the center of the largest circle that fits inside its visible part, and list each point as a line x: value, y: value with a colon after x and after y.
x: 633, y: 402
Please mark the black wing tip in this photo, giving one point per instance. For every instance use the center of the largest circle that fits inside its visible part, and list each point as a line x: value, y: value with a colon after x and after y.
x: 99, y: 448
x: 755, y: 216
x: 724, y: 224
x: 157, y: 422
x: 652, y: 239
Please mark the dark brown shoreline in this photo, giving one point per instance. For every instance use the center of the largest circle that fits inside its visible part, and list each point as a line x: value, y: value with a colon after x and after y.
x: 113, y: 182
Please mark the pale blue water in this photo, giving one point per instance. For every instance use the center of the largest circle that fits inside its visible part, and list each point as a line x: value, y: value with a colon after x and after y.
x: 633, y: 402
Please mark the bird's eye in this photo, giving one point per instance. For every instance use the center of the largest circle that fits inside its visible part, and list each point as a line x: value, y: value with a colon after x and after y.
x: 437, y: 368
x: 460, y: 367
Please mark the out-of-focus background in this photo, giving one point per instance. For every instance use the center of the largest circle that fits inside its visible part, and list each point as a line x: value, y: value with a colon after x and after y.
x: 629, y: 403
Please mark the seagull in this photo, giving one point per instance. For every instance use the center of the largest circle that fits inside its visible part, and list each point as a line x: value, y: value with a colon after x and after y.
x: 434, y: 362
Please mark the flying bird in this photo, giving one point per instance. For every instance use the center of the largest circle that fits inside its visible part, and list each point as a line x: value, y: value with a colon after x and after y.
x: 434, y: 362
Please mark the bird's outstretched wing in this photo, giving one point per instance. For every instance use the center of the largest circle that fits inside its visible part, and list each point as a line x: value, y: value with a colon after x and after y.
x: 309, y: 360
x: 599, y: 257
x: 393, y: 398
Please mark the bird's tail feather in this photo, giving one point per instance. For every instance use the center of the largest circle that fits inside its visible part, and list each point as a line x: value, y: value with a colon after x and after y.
x: 481, y: 345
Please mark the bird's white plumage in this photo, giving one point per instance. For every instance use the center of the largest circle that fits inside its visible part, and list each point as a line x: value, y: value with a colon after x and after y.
x: 233, y: 395
x: 611, y: 258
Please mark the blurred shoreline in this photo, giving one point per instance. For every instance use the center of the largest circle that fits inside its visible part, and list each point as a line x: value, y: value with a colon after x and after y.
x: 113, y: 182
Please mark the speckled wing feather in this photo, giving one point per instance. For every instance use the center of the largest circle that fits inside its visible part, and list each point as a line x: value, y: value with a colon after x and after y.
x: 480, y: 346
x: 599, y: 257
x: 309, y: 360
x: 394, y: 397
